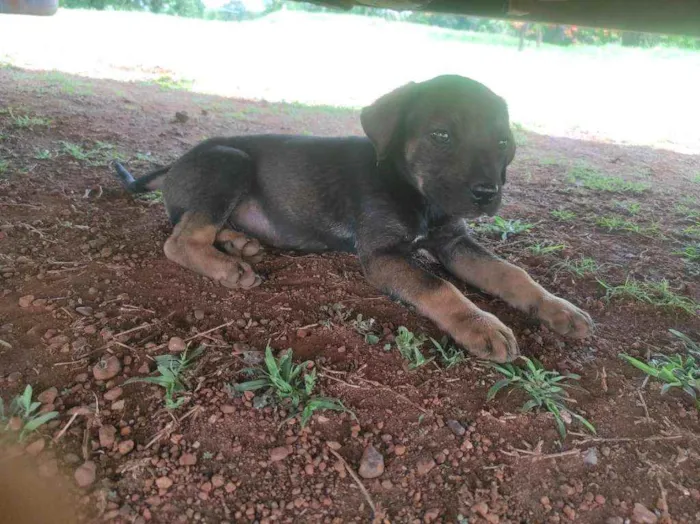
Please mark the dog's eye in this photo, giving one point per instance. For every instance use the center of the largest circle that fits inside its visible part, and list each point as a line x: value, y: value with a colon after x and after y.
x: 503, y: 143
x: 441, y: 137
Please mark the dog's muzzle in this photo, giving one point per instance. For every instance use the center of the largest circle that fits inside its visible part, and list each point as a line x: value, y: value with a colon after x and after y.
x: 484, y: 194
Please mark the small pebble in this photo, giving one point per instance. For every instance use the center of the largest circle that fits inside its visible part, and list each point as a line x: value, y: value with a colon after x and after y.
x: 85, y: 475
x: 371, y: 464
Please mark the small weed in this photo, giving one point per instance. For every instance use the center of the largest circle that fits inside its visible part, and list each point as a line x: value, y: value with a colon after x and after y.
x: 675, y: 371
x: 287, y: 382
x: 28, y: 122
x: 26, y: 411
x: 207, y: 455
x: 170, y: 369
x: 152, y: 197
x: 100, y: 154
x: 43, y: 154
x: 366, y: 328
x: 450, y: 355
x: 692, y: 231
x: 563, y: 214
x: 633, y: 208
x: 546, y: 390
x: 580, y: 268
x: 695, y: 178
x: 409, y: 346
x: 688, y: 209
x: 589, y: 178
x: 505, y: 228
x: 657, y: 294
x: 543, y: 249
x: 618, y: 224
x: 336, y: 313
x: 4, y: 166
x: 690, y: 253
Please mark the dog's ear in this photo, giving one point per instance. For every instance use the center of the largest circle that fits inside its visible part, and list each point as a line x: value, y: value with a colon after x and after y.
x: 381, y: 119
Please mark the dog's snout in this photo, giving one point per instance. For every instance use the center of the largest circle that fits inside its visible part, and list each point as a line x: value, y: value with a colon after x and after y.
x: 485, y: 193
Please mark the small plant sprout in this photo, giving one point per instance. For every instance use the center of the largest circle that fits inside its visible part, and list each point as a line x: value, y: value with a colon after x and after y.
x: 690, y: 252
x: 589, y: 178
x: 506, y: 228
x: 544, y: 249
x: 674, y: 371
x: 366, y: 328
x: 450, y: 355
x: 580, y: 268
x: 546, y: 390
x: 24, y: 415
x: 657, y: 294
x: 563, y: 215
x: 170, y: 369
x: 409, y: 346
x: 284, y: 382
x: 336, y: 313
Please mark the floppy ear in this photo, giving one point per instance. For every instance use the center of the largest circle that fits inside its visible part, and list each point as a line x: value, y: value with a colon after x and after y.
x: 381, y: 119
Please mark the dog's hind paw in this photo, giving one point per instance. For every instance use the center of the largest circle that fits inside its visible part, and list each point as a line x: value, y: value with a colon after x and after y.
x: 238, y: 245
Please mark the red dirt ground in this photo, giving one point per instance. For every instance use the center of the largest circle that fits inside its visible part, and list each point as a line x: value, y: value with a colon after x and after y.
x: 92, y: 258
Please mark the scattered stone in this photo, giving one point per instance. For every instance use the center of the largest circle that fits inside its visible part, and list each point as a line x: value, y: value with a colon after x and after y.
x: 591, y: 457
x: 164, y: 482
x: 118, y: 405
x: 371, y: 464
x: 35, y: 447
x: 85, y: 474
x: 456, y: 427
x: 81, y: 377
x: 425, y: 465
x: 26, y: 301
x: 600, y: 499
x: 482, y: 508
x: 126, y: 446
x: 217, y: 481
x: 107, y: 435
x: 280, y: 453
x: 335, y: 446
x: 188, y: 459
x: 107, y: 368
x: 431, y: 515
x: 176, y: 345
x: 399, y: 450
x: 642, y: 515
x: 569, y: 512
x: 47, y: 396
x: 86, y: 311
x: 199, y: 314
x: 615, y: 520
x: 228, y: 409
x: 113, y: 394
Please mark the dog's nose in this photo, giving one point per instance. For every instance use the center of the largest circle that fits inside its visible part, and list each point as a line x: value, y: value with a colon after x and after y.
x: 485, y: 193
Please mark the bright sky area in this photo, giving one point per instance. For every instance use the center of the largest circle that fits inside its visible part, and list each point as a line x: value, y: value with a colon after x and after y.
x: 635, y: 96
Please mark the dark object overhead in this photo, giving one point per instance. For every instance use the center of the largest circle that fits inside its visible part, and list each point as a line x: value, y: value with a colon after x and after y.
x: 679, y: 17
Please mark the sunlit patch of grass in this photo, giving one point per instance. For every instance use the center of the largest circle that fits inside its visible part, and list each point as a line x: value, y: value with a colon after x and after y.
x: 563, y: 215
x: 171, y: 83
x: 580, y: 267
x: 545, y: 249
x: 589, y: 178
x: 633, y: 208
x: 690, y: 252
x: 100, y: 154
x: 615, y: 223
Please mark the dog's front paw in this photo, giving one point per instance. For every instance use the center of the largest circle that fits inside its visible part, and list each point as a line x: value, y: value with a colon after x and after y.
x: 484, y: 336
x: 240, y: 276
x: 565, y: 318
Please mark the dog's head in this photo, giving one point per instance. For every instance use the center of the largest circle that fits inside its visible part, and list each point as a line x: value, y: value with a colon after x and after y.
x: 452, y: 137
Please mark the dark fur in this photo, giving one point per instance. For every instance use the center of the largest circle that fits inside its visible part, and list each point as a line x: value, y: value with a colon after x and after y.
x: 383, y: 197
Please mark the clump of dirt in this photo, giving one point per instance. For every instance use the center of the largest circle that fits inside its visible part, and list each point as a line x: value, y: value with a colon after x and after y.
x: 88, y: 301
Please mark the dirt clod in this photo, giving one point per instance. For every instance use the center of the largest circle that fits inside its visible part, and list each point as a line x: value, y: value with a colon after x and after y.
x: 176, y: 345
x: 48, y: 396
x: 107, y: 435
x: 642, y: 515
x: 107, y: 368
x: 164, y: 482
x: 126, y: 446
x: 85, y: 474
x: 279, y: 453
x: 26, y: 301
x: 425, y: 465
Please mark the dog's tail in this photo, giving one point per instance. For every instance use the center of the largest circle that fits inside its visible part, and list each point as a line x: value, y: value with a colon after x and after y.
x: 144, y: 184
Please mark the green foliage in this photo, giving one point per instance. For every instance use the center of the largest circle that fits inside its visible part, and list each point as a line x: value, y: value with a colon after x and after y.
x: 27, y: 122
x: 675, y: 371
x: 4, y: 166
x: 690, y: 252
x: 170, y: 369
x: 100, y: 154
x: 43, y: 154
x: 633, y: 208
x: 589, y: 178
x: 505, y: 228
x: 409, y: 346
x: 615, y: 223
x: 544, y: 249
x: 546, y: 390
x: 657, y: 294
x: 288, y: 383
x: 580, y: 267
x: 450, y: 355
x: 26, y: 410
x: 335, y: 313
x: 563, y: 214
x: 366, y: 328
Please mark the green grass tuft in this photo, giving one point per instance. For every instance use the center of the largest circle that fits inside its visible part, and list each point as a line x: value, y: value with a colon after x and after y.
x: 657, y: 294
x: 580, y: 268
x: 544, y: 249
x: 546, y: 390
x: 590, y: 178
x: 505, y: 228
x: 563, y: 215
x: 27, y: 412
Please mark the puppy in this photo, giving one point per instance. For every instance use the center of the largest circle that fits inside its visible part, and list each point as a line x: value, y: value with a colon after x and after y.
x: 435, y: 154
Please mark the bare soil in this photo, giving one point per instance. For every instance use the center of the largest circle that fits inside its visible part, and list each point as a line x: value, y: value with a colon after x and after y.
x: 91, y: 259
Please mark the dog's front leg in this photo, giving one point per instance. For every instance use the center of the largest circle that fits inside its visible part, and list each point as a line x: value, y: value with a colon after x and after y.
x: 480, y: 332
x: 475, y: 265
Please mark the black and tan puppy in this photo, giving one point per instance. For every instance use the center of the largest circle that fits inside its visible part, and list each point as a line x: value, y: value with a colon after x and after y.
x: 436, y: 153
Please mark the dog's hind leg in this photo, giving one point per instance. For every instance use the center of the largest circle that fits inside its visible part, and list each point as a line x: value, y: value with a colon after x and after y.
x: 203, y: 188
